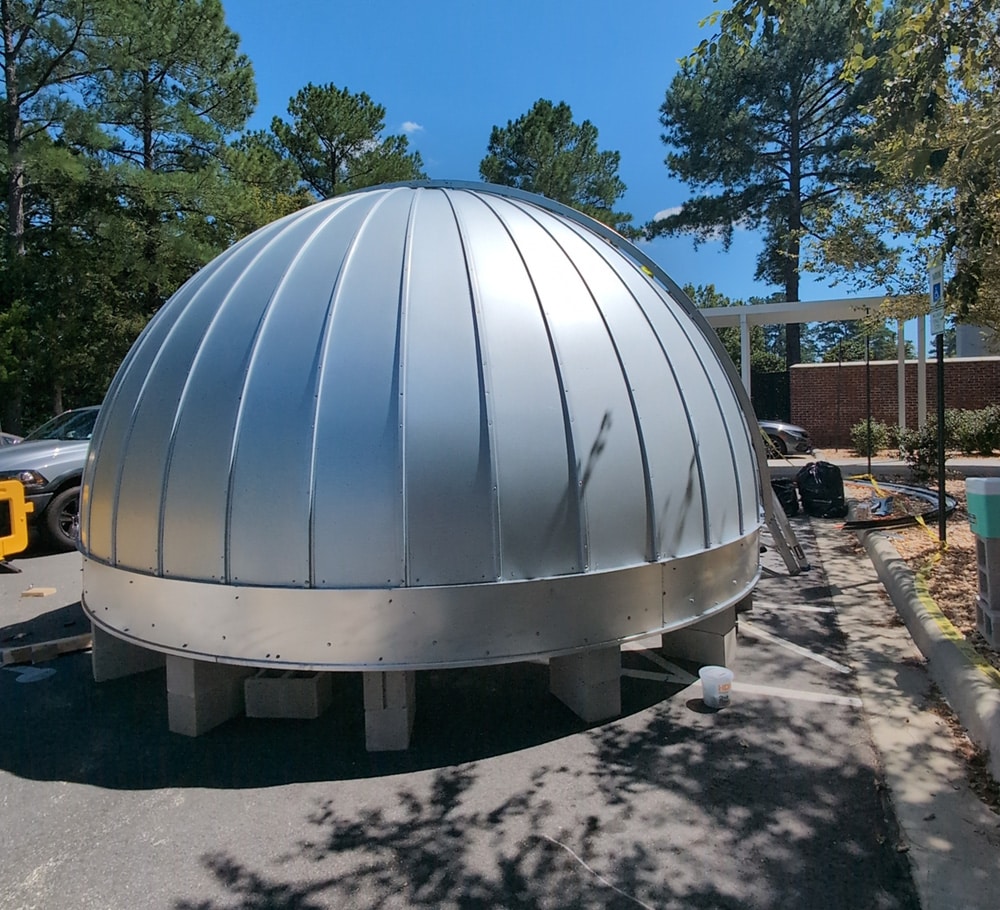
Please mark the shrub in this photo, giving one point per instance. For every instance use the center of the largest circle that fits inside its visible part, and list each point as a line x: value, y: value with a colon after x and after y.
x: 977, y: 432
x: 880, y: 438
x: 919, y: 448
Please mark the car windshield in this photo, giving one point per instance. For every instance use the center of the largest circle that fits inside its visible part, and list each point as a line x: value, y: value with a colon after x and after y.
x: 68, y: 425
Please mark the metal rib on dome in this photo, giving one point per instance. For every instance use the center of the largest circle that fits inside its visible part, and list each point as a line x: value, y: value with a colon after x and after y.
x: 433, y: 388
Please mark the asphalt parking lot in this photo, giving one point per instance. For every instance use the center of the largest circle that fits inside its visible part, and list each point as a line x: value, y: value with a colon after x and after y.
x: 504, y: 799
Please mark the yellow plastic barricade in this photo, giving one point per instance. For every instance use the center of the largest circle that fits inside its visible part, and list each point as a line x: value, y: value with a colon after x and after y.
x: 12, y: 498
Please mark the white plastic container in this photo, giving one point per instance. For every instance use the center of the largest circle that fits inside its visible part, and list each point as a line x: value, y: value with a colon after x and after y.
x: 716, y: 684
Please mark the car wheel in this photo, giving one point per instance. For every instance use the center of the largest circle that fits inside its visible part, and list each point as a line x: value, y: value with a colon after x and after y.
x: 779, y: 445
x: 62, y: 518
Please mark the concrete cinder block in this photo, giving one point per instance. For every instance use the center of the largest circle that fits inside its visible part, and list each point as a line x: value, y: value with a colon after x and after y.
x: 699, y: 646
x: 988, y: 568
x: 988, y: 622
x: 390, y: 709
x: 287, y: 693
x: 588, y: 683
x: 202, y: 694
x: 395, y: 689
x: 711, y: 641
x: 388, y: 730
x: 113, y: 658
x: 719, y: 623
x: 186, y: 676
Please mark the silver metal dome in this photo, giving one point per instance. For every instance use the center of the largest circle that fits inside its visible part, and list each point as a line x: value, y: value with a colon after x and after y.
x: 417, y: 425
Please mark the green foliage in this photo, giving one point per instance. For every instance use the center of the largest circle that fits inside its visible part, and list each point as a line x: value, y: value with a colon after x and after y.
x: 335, y: 140
x: 932, y: 136
x: 966, y: 431
x: 977, y: 432
x: 264, y: 184
x: 765, y: 353
x: 857, y: 340
x: 545, y: 152
x: 119, y: 191
x: 172, y: 83
x: 761, y: 130
x: 919, y: 448
x: 869, y: 437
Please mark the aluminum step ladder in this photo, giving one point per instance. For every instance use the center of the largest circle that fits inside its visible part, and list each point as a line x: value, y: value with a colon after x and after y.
x: 784, y: 537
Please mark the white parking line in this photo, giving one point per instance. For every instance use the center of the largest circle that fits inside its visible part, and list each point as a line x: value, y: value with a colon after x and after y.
x: 794, y: 609
x: 754, y: 632
x: 827, y: 698
x: 645, y: 674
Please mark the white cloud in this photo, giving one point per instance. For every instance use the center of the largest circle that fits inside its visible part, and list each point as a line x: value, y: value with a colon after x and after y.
x: 410, y: 126
x: 712, y: 236
x: 666, y: 213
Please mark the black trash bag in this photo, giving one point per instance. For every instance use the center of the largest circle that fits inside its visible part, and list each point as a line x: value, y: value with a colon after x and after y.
x: 821, y: 486
x: 784, y: 489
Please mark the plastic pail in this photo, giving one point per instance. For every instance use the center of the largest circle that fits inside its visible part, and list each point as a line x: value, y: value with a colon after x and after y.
x: 716, y: 683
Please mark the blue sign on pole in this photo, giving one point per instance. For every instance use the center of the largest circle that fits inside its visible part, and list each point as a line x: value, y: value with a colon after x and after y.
x: 935, y: 277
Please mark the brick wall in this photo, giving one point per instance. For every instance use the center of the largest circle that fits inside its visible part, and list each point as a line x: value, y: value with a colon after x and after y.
x: 829, y: 398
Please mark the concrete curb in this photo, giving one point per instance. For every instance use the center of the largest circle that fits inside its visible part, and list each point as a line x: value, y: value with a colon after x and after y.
x: 970, y: 689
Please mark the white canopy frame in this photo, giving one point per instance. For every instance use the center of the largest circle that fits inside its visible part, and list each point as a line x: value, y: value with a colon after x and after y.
x: 825, y: 311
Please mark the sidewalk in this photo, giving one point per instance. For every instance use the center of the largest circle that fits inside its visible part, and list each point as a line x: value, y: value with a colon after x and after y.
x: 951, y: 837
x: 881, y: 467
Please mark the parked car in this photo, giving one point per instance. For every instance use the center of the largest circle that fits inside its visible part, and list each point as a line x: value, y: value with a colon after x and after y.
x: 786, y: 438
x: 49, y: 462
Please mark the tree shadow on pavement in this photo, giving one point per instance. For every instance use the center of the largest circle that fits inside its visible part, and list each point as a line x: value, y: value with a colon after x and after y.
x: 668, y: 808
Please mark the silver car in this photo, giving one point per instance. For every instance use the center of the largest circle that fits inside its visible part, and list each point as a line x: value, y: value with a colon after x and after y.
x: 785, y: 438
x: 49, y: 462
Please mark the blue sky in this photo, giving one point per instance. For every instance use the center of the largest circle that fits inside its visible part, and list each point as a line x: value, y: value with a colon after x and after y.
x: 447, y: 72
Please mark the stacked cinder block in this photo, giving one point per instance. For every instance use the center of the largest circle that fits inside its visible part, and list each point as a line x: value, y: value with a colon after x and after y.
x: 983, y: 498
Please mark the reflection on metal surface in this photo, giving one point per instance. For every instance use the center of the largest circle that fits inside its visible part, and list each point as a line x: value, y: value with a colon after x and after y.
x: 461, y: 625
x: 422, y: 392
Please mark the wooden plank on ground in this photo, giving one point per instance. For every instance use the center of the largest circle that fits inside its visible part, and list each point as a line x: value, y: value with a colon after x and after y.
x: 45, y: 650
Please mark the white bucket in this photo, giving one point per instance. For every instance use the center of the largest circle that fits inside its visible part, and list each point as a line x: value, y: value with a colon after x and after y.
x: 716, y: 683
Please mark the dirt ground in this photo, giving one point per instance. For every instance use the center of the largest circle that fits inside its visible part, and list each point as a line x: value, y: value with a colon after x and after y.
x: 950, y: 570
